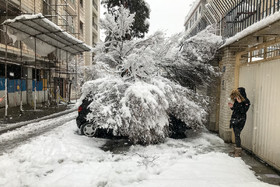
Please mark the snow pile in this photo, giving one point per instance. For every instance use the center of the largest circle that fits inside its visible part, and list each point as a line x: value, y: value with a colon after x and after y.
x: 61, y: 158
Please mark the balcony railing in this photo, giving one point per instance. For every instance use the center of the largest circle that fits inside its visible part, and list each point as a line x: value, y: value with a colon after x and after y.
x: 245, y: 13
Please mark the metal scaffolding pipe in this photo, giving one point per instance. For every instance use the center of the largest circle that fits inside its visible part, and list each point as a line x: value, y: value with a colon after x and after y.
x: 6, y: 75
x: 35, y: 88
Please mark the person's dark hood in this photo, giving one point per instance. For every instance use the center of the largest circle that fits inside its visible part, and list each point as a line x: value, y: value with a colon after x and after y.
x: 242, y: 92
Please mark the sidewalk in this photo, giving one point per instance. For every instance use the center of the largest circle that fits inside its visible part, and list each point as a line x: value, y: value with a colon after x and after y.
x: 262, y: 170
x: 29, y: 115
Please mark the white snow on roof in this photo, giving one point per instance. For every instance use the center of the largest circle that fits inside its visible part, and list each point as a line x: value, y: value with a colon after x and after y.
x: 52, y: 27
x: 253, y: 28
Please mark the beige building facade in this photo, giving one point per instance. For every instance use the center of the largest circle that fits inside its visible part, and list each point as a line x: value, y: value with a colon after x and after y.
x: 92, y: 30
x: 27, y: 75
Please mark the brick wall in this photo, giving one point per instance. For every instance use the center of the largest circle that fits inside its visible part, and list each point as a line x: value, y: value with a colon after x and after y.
x: 227, y: 65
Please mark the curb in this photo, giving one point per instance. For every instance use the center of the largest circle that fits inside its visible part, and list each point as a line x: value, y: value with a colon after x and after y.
x: 14, y: 126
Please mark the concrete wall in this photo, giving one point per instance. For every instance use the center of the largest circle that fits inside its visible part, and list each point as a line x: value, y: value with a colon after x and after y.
x: 92, y: 34
x: 14, y: 98
x: 88, y: 31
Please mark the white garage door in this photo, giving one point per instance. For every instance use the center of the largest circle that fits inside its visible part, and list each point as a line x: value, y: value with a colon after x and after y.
x: 262, y: 130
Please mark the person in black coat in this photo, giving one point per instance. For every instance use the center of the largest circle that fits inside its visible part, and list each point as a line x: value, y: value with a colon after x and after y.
x: 238, y: 118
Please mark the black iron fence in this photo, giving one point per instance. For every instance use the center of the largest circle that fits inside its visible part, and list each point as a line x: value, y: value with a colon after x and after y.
x: 245, y: 13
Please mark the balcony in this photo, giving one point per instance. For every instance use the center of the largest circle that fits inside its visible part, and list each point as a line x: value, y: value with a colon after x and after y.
x: 245, y: 13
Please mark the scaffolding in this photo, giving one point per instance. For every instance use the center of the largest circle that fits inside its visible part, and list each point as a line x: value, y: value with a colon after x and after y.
x: 41, y: 28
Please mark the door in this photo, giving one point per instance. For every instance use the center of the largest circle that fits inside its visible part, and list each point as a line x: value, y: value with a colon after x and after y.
x: 261, y: 132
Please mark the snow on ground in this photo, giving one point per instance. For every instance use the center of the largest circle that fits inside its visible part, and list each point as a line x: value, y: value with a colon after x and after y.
x: 61, y: 157
x: 35, y: 127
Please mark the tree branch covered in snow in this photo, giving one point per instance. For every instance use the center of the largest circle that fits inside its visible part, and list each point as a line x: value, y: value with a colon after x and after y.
x: 141, y: 10
x: 142, y: 90
x: 189, y: 59
x: 140, y: 110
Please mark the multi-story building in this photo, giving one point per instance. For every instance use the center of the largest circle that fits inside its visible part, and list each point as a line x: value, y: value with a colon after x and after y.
x: 92, y: 32
x: 250, y: 58
x: 39, y: 51
x: 196, y: 20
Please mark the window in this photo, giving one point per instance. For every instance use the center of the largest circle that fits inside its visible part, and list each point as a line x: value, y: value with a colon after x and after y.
x: 191, y: 22
x: 81, y: 27
x: 38, y: 74
x: 46, y: 7
x: 93, y: 41
x: 199, y: 10
x: 81, y: 3
x: 94, y: 4
x: 72, y: 1
x: 68, y: 21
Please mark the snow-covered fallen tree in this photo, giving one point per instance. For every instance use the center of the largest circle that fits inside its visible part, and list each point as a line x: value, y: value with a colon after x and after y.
x: 140, y: 110
x: 136, y: 100
x: 187, y: 61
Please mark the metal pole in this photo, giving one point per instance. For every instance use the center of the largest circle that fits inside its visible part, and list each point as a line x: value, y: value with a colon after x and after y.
x: 49, y: 84
x: 67, y: 78
x: 35, y: 88
x: 44, y: 86
x: 67, y: 75
x: 21, y: 73
x: 34, y: 11
x: 60, y: 58
x: 270, y: 7
x: 262, y: 9
x: 21, y: 69
x: 76, y: 67
x: 78, y: 57
x: 6, y: 73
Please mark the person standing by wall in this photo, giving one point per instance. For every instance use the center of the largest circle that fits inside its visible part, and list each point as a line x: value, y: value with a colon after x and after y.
x: 238, y: 118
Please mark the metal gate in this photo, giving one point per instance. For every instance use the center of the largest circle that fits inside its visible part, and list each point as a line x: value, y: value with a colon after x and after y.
x: 261, y: 133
